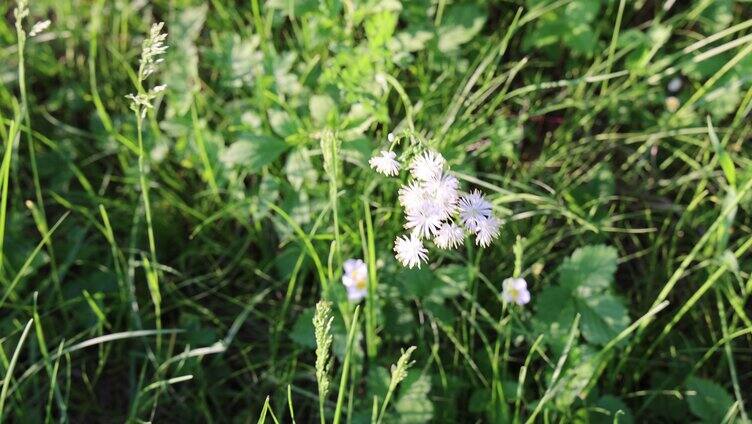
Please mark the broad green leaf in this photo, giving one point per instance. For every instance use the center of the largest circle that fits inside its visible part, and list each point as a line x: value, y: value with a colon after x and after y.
x: 413, y: 405
x: 575, y: 378
x: 319, y: 106
x: 451, y: 280
x: 460, y: 25
x: 418, y: 282
x: 281, y: 122
x: 581, y: 39
x: 710, y: 401
x: 299, y: 169
x: 554, y: 313
x: 302, y: 330
x: 603, y: 317
x: 252, y: 152
x: 589, y: 269
x: 586, y: 280
x: 584, y: 10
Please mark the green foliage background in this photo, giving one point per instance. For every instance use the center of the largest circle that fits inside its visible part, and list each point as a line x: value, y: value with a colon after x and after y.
x: 625, y: 204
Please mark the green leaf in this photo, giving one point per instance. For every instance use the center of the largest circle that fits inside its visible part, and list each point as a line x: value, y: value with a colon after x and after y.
x: 581, y: 39
x: 584, y: 10
x: 302, y: 331
x: 252, y: 152
x: 418, y: 282
x: 576, y: 377
x: 461, y: 24
x: 319, y: 106
x: 710, y: 401
x: 281, y: 123
x: 589, y: 269
x: 299, y: 169
x: 555, y: 312
x: 452, y: 281
x: 723, y: 157
x: 413, y: 406
x: 604, y: 316
x: 181, y: 73
x: 586, y: 280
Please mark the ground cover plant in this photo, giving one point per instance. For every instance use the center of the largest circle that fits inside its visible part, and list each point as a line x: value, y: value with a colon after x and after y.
x: 346, y: 211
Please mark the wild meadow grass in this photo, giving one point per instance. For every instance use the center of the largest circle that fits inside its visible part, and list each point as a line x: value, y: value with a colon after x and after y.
x: 347, y: 211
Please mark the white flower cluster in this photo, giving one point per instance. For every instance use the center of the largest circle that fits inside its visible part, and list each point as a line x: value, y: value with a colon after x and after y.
x: 435, y: 208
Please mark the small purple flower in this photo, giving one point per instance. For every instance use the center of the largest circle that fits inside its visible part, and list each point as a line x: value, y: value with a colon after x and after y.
x: 515, y: 291
x: 355, y: 279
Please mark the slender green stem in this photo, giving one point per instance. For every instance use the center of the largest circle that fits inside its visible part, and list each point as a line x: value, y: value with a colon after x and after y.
x: 371, y: 299
x: 21, y: 44
x: 147, y: 211
x: 346, y: 366
x: 11, y: 366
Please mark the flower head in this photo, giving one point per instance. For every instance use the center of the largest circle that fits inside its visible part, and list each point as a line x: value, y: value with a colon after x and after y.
x: 385, y: 163
x: 474, y: 208
x: 427, y: 165
x: 514, y: 290
x: 410, y: 251
x: 486, y: 230
x: 450, y: 236
x: 355, y: 279
x: 411, y: 196
x: 425, y: 220
x: 444, y: 191
x: 675, y: 85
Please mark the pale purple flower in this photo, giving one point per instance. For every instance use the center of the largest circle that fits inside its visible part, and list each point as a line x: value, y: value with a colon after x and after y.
x: 514, y: 290
x: 473, y: 208
x: 355, y: 279
x: 450, y: 236
x: 486, y: 230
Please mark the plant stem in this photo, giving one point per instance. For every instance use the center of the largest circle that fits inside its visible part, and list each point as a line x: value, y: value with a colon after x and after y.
x: 346, y: 367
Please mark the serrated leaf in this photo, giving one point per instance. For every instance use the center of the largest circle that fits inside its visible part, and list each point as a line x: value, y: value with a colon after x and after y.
x: 252, y: 152
x: 710, y: 401
x: 603, y: 317
x: 589, y: 269
x: 413, y: 405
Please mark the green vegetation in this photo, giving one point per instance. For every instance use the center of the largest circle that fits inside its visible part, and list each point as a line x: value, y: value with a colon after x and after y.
x: 176, y: 254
